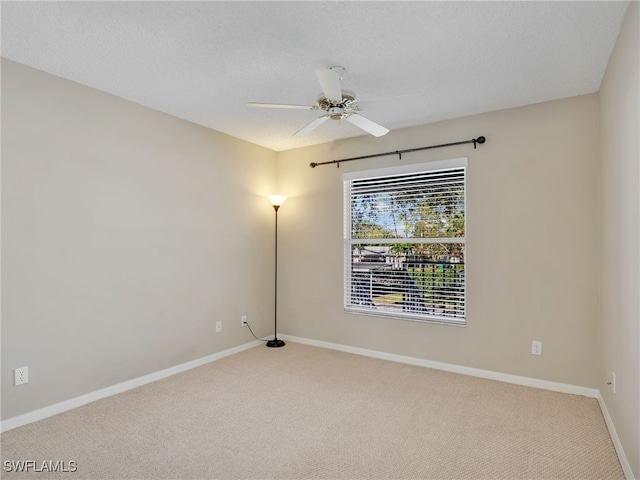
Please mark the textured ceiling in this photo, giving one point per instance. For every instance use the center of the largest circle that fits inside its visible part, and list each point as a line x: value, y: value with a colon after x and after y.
x: 203, y: 61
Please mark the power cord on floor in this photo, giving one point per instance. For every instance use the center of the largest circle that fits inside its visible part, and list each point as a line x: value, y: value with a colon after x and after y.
x: 254, y: 335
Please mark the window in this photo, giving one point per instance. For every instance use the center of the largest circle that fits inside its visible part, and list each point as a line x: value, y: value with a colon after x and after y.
x: 405, y: 242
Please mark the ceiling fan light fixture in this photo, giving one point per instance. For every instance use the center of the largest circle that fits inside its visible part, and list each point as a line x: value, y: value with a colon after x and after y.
x: 335, y: 113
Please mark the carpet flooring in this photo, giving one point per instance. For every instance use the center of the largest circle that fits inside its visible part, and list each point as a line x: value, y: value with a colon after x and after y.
x: 302, y: 412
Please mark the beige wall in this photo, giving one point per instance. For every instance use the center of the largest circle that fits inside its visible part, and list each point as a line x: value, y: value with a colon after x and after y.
x: 532, y: 243
x: 126, y: 233
x: 620, y: 234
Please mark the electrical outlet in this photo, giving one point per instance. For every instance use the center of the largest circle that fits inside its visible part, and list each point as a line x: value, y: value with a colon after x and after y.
x: 218, y: 326
x: 21, y: 376
x: 536, y: 348
x: 612, y: 383
x: 243, y: 320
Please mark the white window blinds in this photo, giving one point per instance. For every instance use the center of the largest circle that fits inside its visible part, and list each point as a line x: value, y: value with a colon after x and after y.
x: 405, y: 242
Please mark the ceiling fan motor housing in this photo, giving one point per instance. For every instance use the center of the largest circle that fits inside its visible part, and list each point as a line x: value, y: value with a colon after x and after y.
x: 336, y: 111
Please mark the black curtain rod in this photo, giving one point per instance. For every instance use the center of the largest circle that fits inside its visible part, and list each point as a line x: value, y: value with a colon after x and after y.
x: 475, y: 141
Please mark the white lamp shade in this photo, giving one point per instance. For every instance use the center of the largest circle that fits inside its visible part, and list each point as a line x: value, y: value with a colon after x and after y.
x: 276, y: 200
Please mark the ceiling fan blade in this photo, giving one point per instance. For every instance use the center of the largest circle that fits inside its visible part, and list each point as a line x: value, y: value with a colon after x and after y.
x: 367, y: 125
x: 330, y: 83
x: 279, y: 105
x: 311, y: 125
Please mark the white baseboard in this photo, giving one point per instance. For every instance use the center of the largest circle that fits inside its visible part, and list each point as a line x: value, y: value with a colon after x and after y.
x: 448, y: 367
x: 488, y: 374
x: 51, y: 410
x: 626, y: 466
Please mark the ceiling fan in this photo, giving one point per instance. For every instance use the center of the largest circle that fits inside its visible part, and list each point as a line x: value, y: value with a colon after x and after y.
x: 338, y: 104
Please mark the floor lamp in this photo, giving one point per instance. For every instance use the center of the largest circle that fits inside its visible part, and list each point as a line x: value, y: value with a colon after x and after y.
x: 276, y: 201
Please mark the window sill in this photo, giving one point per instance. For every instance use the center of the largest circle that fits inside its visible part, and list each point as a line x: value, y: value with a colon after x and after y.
x: 421, y: 318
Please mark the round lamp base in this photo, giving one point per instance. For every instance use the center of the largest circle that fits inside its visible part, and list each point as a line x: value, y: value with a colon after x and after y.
x: 275, y: 343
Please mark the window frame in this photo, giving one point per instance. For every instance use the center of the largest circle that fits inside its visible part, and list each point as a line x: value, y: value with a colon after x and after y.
x: 426, y: 167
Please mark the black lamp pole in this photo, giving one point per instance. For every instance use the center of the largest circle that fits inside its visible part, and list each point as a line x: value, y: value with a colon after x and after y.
x: 275, y: 342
